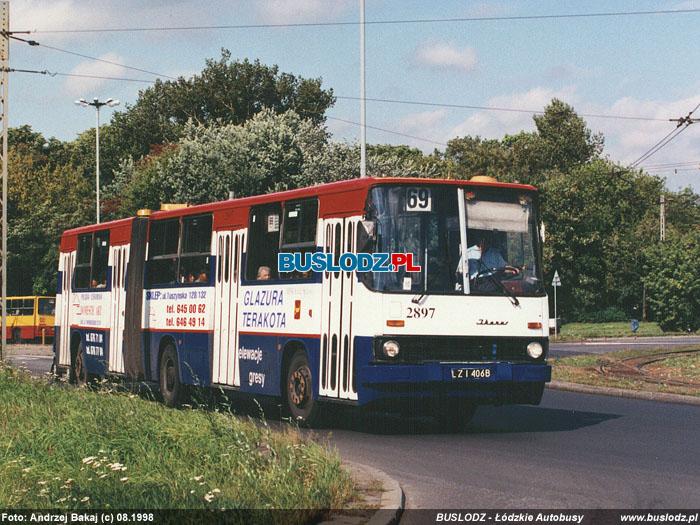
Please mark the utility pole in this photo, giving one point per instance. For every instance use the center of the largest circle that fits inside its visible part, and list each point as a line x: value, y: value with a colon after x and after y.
x: 662, y: 219
x: 5, y: 63
x: 363, y: 102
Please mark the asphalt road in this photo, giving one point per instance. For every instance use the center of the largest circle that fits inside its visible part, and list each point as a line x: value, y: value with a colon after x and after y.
x: 572, y: 451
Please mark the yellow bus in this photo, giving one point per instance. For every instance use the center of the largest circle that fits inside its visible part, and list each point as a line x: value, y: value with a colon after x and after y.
x: 30, y: 318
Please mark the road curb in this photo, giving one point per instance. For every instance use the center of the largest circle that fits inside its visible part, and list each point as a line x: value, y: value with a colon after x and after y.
x: 620, y: 392
x: 30, y: 349
x: 377, y: 490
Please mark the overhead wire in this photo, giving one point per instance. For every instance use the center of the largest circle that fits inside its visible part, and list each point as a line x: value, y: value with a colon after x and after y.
x: 683, y: 124
x: 34, y: 43
x: 372, y: 22
x: 388, y: 131
x: 490, y: 108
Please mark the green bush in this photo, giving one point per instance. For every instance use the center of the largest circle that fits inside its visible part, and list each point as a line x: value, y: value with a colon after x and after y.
x: 610, y: 314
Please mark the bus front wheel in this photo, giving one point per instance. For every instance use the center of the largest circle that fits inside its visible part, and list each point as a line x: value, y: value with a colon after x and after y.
x: 299, y: 392
x: 170, y: 385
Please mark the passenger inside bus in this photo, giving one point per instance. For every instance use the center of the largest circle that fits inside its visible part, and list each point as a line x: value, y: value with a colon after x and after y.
x: 100, y: 281
x: 203, y: 276
x: 264, y: 273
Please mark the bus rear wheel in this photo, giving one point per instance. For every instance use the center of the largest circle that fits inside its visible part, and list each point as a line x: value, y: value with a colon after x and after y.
x: 299, y: 391
x: 80, y: 374
x: 169, y: 378
x: 16, y: 336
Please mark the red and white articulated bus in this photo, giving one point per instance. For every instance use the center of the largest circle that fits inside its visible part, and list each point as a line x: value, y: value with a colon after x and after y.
x: 194, y: 296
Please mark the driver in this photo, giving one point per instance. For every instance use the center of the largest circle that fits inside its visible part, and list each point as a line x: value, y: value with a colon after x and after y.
x: 485, y: 256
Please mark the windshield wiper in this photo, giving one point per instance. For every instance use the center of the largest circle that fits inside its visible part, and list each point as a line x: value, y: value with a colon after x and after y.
x: 431, y: 277
x: 513, y: 299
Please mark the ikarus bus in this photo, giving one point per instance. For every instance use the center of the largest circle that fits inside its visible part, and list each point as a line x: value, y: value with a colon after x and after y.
x: 455, y: 316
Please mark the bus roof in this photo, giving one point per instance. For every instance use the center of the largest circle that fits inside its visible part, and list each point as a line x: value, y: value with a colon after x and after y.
x: 341, y: 199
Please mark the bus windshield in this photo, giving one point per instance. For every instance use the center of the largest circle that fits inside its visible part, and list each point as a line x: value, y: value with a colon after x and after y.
x: 499, y: 228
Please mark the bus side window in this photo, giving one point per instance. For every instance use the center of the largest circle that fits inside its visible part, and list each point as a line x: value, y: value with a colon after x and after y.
x: 100, y: 259
x: 195, y: 251
x: 15, y: 306
x: 81, y: 279
x: 263, y: 240
x: 299, y: 232
x: 163, y: 241
x: 28, y: 306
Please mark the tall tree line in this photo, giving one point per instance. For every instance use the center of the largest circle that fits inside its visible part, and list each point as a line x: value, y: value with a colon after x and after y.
x: 247, y: 128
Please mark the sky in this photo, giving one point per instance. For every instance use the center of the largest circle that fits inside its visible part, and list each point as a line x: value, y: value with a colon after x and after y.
x: 513, y: 55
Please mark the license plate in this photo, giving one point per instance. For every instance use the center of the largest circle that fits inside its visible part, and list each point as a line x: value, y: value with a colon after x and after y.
x: 471, y: 373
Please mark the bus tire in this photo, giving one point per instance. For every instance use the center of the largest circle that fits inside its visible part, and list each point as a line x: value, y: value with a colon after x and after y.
x: 299, y: 392
x: 454, y: 416
x: 80, y: 374
x: 16, y: 336
x: 169, y: 377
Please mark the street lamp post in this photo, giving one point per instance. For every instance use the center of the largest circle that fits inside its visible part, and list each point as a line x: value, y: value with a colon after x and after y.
x: 97, y: 105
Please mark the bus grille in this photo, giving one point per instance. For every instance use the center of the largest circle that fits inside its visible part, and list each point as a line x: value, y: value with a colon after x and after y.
x: 457, y: 349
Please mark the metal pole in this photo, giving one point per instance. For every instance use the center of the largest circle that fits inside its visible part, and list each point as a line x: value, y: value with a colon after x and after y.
x: 662, y: 219
x: 556, y: 320
x: 97, y: 164
x: 5, y: 7
x: 363, y: 109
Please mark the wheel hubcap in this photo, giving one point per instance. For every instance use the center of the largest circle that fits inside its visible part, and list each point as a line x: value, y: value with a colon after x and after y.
x: 298, y: 388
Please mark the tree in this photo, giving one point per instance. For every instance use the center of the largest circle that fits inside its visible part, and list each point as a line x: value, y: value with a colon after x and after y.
x: 226, y: 92
x: 45, y: 197
x: 566, y: 139
x: 673, y: 289
x: 594, y: 217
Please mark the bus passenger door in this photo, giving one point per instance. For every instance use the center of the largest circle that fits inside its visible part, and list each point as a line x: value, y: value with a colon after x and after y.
x: 336, y: 360
x: 120, y: 257
x: 64, y: 322
x: 225, y: 347
x: 346, y: 346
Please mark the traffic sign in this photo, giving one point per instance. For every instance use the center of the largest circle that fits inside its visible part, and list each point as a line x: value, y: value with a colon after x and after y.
x: 556, y: 281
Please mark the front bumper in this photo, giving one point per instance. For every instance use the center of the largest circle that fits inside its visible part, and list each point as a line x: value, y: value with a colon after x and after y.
x: 506, y: 383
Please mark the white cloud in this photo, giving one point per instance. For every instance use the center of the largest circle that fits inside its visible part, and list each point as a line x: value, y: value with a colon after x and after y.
x: 301, y: 11
x: 85, y: 86
x: 496, y: 124
x: 442, y: 55
x: 428, y: 125
x: 625, y: 140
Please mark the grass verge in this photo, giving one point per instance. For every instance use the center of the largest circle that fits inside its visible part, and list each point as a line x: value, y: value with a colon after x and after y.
x: 66, y: 448
x: 585, y: 369
x: 577, y: 331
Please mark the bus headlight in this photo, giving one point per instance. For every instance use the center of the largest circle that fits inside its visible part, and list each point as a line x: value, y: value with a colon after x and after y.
x: 391, y: 349
x: 534, y: 350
